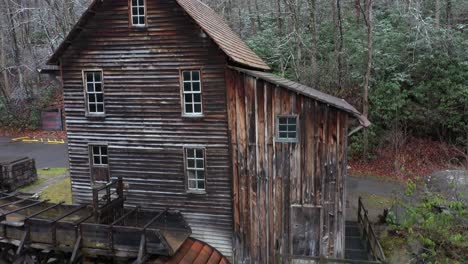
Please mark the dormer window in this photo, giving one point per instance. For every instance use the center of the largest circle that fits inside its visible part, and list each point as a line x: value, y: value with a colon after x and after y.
x: 138, y: 13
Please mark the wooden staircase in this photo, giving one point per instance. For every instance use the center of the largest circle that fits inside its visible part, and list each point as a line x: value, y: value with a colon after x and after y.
x: 356, y: 246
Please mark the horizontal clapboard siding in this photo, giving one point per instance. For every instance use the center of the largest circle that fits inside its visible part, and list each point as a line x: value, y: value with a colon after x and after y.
x: 143, y: 125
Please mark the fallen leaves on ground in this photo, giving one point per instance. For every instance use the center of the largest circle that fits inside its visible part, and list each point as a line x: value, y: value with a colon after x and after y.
x: 417, y: 158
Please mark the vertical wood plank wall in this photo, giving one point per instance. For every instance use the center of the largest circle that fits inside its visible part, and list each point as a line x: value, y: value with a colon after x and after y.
x: 144, y: 127
x: 278, y: 187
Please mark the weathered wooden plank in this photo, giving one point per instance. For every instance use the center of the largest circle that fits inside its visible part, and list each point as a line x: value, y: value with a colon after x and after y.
x: 250, y: 111
x: 261, y: 172
x: 242, y: 161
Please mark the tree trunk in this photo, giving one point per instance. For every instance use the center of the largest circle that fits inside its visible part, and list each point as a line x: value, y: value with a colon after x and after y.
x: 370, y: 47
x: 313, y: 46
x: 437, y: 14
x: 280, y: 34
x: 338, y: 39
x: 357, y: 11
x: 16, y: 47
x: 449, y: 14
x: 257, y: 10
x: 252, y: 19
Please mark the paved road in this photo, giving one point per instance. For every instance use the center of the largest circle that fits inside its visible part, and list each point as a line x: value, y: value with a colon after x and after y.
x: 46, y: 156
x: 370, y: 188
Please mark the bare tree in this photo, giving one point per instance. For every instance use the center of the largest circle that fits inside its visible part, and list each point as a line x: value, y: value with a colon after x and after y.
x: 367, y: 78
x: 338, y: 39
x: 313, y: 43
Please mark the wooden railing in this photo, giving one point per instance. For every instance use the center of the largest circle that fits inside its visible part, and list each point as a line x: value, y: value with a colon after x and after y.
x: 368, y: 233
x: 108, y: 201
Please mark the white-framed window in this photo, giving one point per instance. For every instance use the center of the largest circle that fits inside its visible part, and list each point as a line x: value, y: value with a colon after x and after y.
x: 99, y: 155
x: 192, y: 92
x: 195, y: 169
x: 138, y: 13
x: 94, y: 92
x: 287, y: 128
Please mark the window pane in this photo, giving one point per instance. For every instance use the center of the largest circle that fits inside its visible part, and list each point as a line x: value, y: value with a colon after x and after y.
x: 188, y: 108
x: 141, y: 20
x: 292, y: 135
x: 195, y: 75
x: 135, y: 20
x: 282, y: 121
x: 197, y: 98
x: 90, y: 87
x: 100, y: 98
x: 187, y: 76
x: 200, y: 164
x: 98, y: 87
x: 92, y: 108
x: 292, y: 120
x: 283, y: 128
x: 142, y: 11
x: 96, y: 151
x: 89, y: 77
x: 141, y: 2
x: 192, y: 184
x: 104, y: 160
x: 201, y: 185
x: 197, y: 108
x: 103, y: 150
x: 191, y: 174
x: 292, y: 128
x: 100, y: 108
x: 199, y: 153
x: 283, y: 135
x: 191, y: 163
x: 188, y: 98
x: 201, y: 175
x: 97, y: 77
x: 97, y: 161
x: 187, y: 87
x: 196, y: 86
x: 134, y: 2
x: 92, y: 98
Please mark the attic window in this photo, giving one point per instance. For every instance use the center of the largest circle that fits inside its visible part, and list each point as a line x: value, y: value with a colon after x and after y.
x: 138, y: 13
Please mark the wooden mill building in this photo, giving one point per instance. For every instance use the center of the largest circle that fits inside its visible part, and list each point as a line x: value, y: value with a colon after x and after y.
x: 164, y: 94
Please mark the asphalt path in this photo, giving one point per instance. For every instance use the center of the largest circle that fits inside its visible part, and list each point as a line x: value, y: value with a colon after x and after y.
x: 46, y: 155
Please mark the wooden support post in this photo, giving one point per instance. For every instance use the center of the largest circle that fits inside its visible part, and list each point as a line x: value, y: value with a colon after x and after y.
x: 142, y: 250
x: 74, y: 257
x: 22, y: 244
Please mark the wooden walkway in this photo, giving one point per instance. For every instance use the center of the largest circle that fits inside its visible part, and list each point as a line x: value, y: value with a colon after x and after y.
x: 104, y: 228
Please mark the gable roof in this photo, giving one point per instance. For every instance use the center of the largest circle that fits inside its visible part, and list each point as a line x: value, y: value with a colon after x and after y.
x: 309, y: 92
x: 205, y: 17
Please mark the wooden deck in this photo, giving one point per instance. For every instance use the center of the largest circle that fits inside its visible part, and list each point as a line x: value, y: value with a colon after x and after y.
x: 105, y: 228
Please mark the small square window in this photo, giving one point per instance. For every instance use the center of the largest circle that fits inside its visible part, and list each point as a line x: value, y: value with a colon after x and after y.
x: 192, y: 93
x: 99, y: 155
x: 287, y: 128
x: 195, y: 169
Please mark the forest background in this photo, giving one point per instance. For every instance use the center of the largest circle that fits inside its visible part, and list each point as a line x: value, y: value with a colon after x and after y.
x: 403, y: 63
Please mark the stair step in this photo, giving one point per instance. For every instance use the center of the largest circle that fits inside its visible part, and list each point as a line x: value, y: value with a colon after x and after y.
x: 355, y: 243
x: 352, y: 231
x: 356, y: 254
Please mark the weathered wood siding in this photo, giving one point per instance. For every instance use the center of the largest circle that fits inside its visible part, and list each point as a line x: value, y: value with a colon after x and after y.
x: 143, y: 127
x: 288, y: 197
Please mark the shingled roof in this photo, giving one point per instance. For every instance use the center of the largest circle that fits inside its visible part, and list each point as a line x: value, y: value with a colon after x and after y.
x: 205, y: 17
